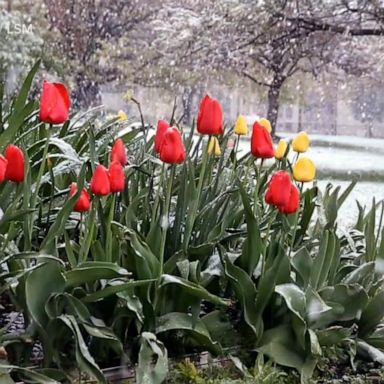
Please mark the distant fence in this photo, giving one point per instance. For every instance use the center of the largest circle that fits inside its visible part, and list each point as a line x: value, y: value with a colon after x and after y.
x: 376, y: 130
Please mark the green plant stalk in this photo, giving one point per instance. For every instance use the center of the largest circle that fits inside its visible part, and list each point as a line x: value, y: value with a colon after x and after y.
x: 157, y: 198
x: 166, y: 217
x: 236, y: 150
x: 86, y: 243
x: 195, y: 205
x: 38, y: 180
x: 256, y: 197
x: 293, y: 233
x: 108, y: 240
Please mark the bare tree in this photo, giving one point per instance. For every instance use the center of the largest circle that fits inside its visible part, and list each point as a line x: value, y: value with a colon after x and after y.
x: 93, y: 37
x: 270, y: 41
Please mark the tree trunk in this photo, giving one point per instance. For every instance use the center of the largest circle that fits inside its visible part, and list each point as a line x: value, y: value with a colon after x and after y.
x: 187, y: 104
x: 87, y: 92
x: 273, y: 104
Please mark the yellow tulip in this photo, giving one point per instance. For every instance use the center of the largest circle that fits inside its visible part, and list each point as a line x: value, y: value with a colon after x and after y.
x: 214, y: 146
x: 304, y: 170
x: 122, y: 116
x: 266, y: 124
x: 241, y: 127
x: 301, y: 142
x: 281, y: 149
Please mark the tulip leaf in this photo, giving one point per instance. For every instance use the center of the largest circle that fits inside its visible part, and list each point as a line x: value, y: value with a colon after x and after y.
x: 143, y: 263
x: 83, y: 357
x: 117, y: 287
x: 372, y: 314
x: 245, y: 292
x: 27, y: 374
x: 89, y: 271
x: 151, y: 349
x: 191, y: 288
x: 280, y: 345
x: 253, y: 245
x: 176, y: 321
x: 39, y: 285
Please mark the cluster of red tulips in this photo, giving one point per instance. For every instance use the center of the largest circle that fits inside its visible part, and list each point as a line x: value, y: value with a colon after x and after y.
x: 54, y: 109
x: 282, y: 192
x: 104, y: 181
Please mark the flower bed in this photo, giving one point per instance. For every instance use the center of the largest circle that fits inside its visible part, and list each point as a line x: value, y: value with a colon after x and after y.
x: 125, y: 247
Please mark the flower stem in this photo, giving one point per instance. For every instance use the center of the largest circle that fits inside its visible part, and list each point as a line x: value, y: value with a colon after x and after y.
x: 193, y: 212
x: 157, y: 198
x: 108, y: 240
x: 165, y: 221
x: 236, y: 150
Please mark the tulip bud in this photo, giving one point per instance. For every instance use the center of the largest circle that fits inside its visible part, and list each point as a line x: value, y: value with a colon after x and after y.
x: 55, y: 103
x: 162, y: 126
x: 304, y: 170
x: 100, y: 181
x: 261, y: 142
x: 172, y: 148
x: 122, y: 116
x: 266, y: 124
x: 281, y: 149
x: 3, y: 168
x: 279, y: 189
x: 119, y: 152
x: 116, y: 177
x: 83, y: 204
x: 241, y: 127
x: 301, y: 142
x: 293, y: 203
x: 214, y: 146
x: 15, y: 167
x: 210, y: 118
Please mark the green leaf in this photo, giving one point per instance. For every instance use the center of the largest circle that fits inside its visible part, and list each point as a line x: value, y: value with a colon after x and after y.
x: 333, y: 335
x: 372, y: 314
x: 26, y: 373
x: 39, y: 285
x: 280, y: 345
x: 83, y: 358
x: 253, y: 245
x: 153, y: 360
x: 192, y: 289
x: 141, y: 260
x: 302, y: 262
x: 89, y: 271
x: 176, y: 321
x: 245, y: 292
x: 115, y: 287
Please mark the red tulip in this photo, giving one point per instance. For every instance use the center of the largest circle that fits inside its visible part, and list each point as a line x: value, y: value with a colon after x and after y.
x: 100, y: 181
x: 55, y: 103
x: 279, y: 189
x: 210, y: 118
x: 83, y: 204
x: 116, y: 177
x: 261, y: 142
x: 162, y: 126
x: 119, y: 152
x: 293, y: 203
x: 3, y: 168
x: 172, y: 148
x: 15, y: 167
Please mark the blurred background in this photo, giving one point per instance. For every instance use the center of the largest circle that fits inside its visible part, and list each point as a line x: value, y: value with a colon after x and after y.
x: 314, y: 65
